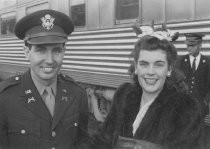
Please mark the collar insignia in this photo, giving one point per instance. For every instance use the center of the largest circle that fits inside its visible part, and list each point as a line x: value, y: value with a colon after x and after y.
x: 31, y: 99
x: 64, y: 90
x: 47, y: 21
x: 64, y: 98
x: 28, y: 92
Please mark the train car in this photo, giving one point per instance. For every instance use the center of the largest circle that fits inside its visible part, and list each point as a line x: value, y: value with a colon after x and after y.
x: 97, y: 54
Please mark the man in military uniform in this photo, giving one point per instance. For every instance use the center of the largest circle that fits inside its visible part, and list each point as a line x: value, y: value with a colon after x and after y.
x: 42, y: 108
x: 196, y: 68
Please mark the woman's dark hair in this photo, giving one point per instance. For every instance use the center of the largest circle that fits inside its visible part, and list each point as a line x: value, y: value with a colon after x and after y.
x: 152, y: 43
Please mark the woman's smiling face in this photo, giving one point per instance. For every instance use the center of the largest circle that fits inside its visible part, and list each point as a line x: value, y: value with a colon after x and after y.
x: 152, y: 69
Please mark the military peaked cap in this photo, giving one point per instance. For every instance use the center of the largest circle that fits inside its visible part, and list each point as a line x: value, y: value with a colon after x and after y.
x: 44, y: 27
x: 193, y: 38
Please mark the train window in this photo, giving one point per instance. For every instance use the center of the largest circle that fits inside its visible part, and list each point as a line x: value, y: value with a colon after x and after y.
x: 37, y: 7
x: 77, y: 12
x: 127, y: 10
x: 7, y: 26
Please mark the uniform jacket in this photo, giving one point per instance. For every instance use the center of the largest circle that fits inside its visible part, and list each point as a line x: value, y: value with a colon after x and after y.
x: 25, y: 122
x: 198, y: 82
x: 173, y: 120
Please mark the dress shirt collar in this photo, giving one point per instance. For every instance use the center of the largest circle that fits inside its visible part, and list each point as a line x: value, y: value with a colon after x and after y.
x: 198, y: 57
x: 40, y: 87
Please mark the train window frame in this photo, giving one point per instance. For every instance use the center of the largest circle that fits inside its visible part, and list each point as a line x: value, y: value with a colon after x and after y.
x: 4, y: 19
x: 84, y: 12
x: 127, y: 20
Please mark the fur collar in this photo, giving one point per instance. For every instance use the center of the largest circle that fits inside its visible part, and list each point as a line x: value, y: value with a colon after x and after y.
x: 131, y: 98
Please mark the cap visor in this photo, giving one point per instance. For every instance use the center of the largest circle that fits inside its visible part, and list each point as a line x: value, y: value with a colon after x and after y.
x: 191, y: 43
x: 47, y: 40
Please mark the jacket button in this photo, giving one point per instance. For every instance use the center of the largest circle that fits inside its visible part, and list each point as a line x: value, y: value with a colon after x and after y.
x: 75, y: 124
x: 22, y: 131
x: 53, y: 147
x: 53, y: 134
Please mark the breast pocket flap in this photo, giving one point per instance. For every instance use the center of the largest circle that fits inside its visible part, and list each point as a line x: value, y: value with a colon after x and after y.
x: 24, y: 127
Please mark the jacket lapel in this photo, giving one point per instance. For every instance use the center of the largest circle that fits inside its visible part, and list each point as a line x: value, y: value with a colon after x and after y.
x: 186, y: 65
x: 64, y: 98
x: 31, y: 99
x: 202, y: 64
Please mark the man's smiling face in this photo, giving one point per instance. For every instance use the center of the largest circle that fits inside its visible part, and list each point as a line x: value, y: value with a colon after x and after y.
x: 45, y: 60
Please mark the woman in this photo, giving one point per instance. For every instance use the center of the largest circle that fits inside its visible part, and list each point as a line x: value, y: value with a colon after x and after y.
x: 151, y: 112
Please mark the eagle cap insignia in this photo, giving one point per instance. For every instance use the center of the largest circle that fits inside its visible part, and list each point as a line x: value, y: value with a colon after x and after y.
x: 47, y: 21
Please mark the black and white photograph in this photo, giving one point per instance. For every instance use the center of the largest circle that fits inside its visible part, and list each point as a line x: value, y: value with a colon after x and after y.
x: 104, y: 74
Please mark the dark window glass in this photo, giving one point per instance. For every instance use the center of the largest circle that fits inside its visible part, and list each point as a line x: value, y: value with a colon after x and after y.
x: 127, y: 9
x: 78, y: 14
x: 7, y: 26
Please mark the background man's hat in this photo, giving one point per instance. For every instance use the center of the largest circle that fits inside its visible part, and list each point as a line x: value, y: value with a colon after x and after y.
x: 193, y: 38
x: 44, y: 27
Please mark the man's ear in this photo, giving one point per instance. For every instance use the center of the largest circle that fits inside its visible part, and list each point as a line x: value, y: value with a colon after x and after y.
x: 26, y: 51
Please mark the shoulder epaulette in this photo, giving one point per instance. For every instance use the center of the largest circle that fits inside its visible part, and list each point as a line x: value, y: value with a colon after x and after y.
x: 67, y: 78
x: 9, y: 82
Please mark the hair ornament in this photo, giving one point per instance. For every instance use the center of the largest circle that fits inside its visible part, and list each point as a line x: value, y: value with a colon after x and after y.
x: 164, y: 33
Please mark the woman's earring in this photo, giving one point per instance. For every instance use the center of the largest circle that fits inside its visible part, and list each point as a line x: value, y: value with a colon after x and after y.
x: 169, y: 74
x: 135, y: 72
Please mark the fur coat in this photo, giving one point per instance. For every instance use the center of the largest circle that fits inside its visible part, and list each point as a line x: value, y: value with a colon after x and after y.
x: 173, y: 120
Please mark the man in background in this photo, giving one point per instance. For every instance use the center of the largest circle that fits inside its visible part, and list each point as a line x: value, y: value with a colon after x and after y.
x: 196, y: 68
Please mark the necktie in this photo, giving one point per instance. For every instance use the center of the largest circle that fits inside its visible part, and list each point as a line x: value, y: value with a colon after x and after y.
x: 194, y: 65
x: 49, y: 100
